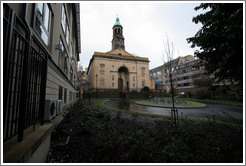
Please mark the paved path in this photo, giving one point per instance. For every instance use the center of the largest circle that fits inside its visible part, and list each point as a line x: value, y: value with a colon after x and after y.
x: 222, y: 112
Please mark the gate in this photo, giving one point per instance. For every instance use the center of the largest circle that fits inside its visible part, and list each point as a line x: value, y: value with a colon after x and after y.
x: 25, y: 72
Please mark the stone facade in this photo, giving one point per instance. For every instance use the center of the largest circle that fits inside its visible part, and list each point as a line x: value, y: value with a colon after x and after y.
x: 118, y: 69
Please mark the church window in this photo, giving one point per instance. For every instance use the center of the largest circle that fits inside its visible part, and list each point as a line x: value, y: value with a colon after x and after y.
x: 102, y: 83
x: 133, y: 85
x: 112, y: 77
x: 143, y: 83
x: 102, y: 66
x: 143, y: 71
x: 133, y: 78
x: 112, y: 84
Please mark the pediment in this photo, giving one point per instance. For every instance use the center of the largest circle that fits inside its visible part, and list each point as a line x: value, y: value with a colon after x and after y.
x: 119, y: 51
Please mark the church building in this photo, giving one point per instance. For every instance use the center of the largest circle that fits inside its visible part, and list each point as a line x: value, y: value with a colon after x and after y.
x: 118, y: 69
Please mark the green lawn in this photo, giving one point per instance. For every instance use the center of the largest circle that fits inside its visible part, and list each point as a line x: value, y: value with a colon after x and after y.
x: 100, y: 104
x: 216, y: 101
x: 191, y: 104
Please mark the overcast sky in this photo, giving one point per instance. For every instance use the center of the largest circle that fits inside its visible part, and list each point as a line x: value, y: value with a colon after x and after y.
x: 144, y: 26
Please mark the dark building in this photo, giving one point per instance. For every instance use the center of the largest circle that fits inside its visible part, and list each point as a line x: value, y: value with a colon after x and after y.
x: 41, y: 46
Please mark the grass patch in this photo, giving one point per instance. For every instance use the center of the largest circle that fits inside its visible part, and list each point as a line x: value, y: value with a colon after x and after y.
x: 99, y: 103
x: 191, y: 104
x: 216, y: 101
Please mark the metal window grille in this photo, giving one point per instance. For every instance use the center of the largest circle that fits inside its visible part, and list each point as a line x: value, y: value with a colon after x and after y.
x: 25, y: 72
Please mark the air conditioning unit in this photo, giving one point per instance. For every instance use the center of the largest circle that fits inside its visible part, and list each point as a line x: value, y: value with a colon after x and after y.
x: 58, y: 106
x: 50, y: 109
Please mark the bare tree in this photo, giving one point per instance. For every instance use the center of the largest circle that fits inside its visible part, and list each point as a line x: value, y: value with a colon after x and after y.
x: 171, y: 66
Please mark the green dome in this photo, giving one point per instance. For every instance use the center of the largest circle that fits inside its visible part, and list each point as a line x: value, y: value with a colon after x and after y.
x: 117, y: 22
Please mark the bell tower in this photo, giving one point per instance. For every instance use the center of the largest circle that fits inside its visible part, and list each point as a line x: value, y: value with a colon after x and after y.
x: 118, y: 38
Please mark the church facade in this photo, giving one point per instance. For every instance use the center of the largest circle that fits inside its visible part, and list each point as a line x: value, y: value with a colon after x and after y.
x: 118, y: 69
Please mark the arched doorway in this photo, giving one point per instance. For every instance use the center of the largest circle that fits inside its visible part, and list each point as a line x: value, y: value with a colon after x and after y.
x: 123, y: 79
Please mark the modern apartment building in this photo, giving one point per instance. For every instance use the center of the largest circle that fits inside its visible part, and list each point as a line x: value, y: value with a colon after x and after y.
x: 161, y: 73
x: 187, y: 72
x: 157, y: 75
x: 41, y: 46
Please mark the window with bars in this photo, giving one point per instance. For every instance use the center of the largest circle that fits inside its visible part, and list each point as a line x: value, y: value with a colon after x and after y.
x: 25, y: 72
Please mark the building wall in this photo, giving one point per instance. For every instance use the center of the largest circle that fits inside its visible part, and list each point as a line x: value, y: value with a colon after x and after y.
x: 54, y: 78
x: 40, y: 75
x: 111, y: 70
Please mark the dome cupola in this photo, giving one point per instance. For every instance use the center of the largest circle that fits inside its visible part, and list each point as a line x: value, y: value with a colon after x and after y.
x: 117, y: 22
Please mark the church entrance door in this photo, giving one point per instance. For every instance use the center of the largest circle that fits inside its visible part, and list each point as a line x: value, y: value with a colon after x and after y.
x: 123, y: 79
x: 120, y: 84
